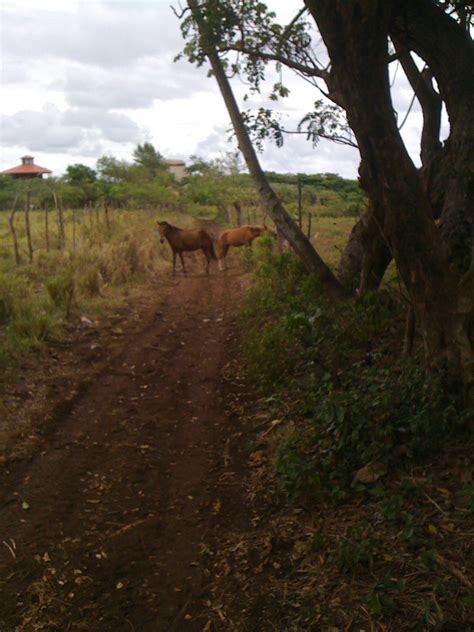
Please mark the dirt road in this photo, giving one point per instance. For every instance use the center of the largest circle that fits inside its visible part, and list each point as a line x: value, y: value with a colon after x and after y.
x: 109, y: 525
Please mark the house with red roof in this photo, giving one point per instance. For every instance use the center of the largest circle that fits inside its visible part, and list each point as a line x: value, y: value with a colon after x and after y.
x: 27, y: 169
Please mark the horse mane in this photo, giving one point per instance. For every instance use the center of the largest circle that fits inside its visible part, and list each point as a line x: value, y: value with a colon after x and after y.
x: 171, y: 226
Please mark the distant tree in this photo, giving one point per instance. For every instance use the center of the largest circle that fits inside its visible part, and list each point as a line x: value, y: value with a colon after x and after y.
x: 147, y: 156
x: 200, y: 167
x: 112, y: 170
x: 79, y: 174
x: 231, y: 163
x: 7, y: 191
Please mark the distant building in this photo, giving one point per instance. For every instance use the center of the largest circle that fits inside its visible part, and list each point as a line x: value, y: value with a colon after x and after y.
x: 27, y: 169
x: 176, y: 168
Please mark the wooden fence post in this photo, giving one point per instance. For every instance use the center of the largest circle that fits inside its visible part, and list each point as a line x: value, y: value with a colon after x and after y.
x: 238, y: 211
x: 300, y: 206
x: 63, y: 230
x: 46, y: 227
x: 11, y: 222
x: 60, y: 220
x: 74, y: 229
x: 107, y: 220
x: 28, y: 227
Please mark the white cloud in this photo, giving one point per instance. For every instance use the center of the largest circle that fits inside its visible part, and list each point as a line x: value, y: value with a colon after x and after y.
x: 135, y: 86
x: 54, y: 130
x: 107, y: 34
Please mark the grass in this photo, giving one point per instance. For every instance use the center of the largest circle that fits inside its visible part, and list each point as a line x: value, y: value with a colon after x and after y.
x: 94, y: 271
x: 329, y: 236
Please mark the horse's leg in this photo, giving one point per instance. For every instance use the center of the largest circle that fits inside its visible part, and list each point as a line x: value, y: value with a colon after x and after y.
x: 208, y: 259
x: 174, y: 262
x: 221, y: 261
x: 182, y: 261
x: 224, y: 260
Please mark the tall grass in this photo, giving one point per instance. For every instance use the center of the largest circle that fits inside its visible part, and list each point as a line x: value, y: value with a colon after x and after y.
x: 96, y: 268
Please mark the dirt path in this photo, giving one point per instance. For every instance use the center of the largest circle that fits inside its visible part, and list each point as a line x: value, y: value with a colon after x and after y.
x: 109, y: 526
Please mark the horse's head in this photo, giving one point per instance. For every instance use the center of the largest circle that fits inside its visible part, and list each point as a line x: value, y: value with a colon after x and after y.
x: 162, y: 229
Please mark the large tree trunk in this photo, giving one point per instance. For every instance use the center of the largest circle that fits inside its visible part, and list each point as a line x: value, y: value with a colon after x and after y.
x: 366, y: 255
x: 356, y: 35
x: 270, y: 201
x: 449, y: 52
x: 415, y: 25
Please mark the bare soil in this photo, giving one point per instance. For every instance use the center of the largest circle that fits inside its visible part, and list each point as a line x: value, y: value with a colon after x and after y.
x: 124, y: 466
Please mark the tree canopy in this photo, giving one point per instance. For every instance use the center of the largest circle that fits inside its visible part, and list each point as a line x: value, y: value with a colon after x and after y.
x: 148, y: 157
x: 79, y: 174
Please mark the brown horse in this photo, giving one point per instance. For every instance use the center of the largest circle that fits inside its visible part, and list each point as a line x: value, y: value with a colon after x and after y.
x: 241, y: 236
x: 184, y: 240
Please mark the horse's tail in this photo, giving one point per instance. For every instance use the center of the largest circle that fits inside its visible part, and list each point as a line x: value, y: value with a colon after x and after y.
x: 212, y: 249
x: 208, y: 244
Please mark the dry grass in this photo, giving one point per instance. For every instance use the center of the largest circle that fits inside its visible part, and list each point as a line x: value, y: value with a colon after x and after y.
x: 101, y: 261
x: 329, y: 236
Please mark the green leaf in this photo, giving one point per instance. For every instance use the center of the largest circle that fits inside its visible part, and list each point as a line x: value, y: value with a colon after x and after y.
x: 375, y: 604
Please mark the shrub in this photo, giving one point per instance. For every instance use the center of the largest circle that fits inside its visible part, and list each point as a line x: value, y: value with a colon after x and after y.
x: 340, y: 369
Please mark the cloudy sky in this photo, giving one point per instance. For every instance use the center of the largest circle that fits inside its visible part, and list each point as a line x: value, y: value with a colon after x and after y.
x: 85, y: 78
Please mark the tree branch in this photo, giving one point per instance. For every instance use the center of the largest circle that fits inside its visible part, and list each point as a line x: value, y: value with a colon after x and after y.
x: 429, y: 99
x: 302, y: 68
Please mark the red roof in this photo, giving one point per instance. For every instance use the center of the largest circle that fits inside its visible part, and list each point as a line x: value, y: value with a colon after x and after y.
x: 26, y: 168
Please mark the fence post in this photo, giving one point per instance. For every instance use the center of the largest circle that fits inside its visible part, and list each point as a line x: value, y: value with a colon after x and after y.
x: 46, y: 227
x: 74, y: 229
x: 60, y: 219
x: 11, y: 222
x: 28, y: 227
x: 300, y: 208
x: 238, y: 212
x: 107, y: 220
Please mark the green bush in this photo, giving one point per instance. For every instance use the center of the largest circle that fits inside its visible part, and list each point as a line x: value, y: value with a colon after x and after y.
x: 340, y: 368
